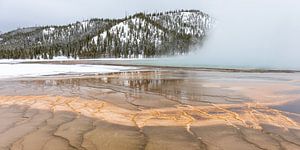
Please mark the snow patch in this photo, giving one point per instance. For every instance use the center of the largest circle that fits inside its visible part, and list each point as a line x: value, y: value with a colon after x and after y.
x: 123, y: 31
x: 48, y: 31
x: 186, y: 16
x: 95, y: 39
x: 84, y: 23
x: 36, y: 70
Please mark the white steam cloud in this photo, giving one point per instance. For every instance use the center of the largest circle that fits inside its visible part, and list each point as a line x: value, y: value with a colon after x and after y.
x: 251, y: 33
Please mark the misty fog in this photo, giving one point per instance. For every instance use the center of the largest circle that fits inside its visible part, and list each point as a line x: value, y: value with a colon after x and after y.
x: 251, y: 33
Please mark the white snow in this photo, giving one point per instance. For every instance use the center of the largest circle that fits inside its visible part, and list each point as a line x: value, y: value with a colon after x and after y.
x: 48, y: 31
x: 193, y: 23
x: 95, y: 39
x: 15, y: 70
x: 122, y: 31
x: 61, y: 58
x: 119, y: 27
x: 186, y: 16
x: 102, y: 36
x: 84, y: 23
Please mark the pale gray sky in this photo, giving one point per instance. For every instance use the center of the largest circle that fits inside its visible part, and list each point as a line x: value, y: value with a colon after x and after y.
x: 255, y: 33
x: 20, y: 13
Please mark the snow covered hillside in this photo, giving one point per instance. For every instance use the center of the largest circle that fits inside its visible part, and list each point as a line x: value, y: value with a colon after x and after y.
x: 139, y: 35
x: 191, y: 22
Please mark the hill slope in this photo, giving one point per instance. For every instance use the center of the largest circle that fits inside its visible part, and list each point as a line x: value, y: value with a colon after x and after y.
x: 146, y: 35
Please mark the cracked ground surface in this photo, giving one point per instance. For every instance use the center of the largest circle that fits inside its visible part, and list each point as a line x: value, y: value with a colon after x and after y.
x: 152, y: 109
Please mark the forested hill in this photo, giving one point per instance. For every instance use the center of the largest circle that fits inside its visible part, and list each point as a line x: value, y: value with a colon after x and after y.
x: 139, y: 35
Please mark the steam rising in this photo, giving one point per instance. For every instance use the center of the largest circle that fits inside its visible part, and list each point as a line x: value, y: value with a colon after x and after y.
x: 251, y: 33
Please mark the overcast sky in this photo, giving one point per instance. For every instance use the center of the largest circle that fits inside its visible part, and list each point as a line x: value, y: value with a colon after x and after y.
x: 20, y: 13
x: 259, y: 33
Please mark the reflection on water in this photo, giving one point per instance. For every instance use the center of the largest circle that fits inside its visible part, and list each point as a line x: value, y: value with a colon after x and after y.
x: 154, y: 87
x: 181, y: 87
x: 293, y: 107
